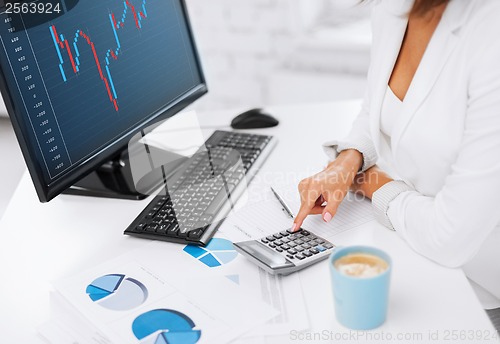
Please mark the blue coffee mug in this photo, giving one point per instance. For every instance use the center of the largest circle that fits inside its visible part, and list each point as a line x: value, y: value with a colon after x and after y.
x: 360, y: 302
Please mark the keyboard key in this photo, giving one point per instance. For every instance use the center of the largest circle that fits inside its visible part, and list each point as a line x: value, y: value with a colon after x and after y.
x: 319, y: 241
x: 196, y: 234
x: 183, y: 232
x: 162, y: 229
x: 173, y: 230
x: 217, y: 201
x: 308, y: 238
x: 320, y: 248
x: 140, y: 227
x: 151, y: 228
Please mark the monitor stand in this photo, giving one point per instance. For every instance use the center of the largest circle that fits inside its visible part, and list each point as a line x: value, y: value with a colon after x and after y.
x: 115, y: 179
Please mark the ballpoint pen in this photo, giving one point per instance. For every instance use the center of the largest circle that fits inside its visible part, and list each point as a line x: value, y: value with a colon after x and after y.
x: 283, y: 203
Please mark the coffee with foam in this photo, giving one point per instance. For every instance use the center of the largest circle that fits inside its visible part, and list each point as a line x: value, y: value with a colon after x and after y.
x: 361, y: 265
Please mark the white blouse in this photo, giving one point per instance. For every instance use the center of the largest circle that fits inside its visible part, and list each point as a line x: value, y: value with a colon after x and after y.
x: 391, y: 110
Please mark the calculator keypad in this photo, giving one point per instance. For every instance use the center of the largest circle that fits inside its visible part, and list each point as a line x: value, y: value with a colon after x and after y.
x: 297, y: 245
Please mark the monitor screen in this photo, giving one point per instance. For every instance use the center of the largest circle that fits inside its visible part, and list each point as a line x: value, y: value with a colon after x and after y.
x: 80, y: 77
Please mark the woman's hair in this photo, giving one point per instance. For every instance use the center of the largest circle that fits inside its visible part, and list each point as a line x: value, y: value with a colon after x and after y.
x: 421, y: 7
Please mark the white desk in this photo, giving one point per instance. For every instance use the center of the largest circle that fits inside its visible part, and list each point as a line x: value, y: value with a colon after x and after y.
x: 40, y: 243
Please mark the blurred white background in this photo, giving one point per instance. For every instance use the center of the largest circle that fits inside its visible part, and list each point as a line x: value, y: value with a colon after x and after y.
x: 266, y: 52
x: 258, y: 53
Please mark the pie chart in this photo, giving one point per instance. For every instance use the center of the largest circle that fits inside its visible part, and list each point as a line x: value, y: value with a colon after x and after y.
x: 216, y: 253
x: 165, y: 326
x: 117, y: 292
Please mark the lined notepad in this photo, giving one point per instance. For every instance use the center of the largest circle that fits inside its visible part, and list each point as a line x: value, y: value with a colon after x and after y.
x: 259, y: 218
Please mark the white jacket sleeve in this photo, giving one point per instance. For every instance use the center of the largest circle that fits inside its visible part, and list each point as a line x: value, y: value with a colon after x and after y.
x: 450, y: 227
x: 358, y: 139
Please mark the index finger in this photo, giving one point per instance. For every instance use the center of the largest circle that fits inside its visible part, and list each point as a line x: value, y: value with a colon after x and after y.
x: 307, y: 202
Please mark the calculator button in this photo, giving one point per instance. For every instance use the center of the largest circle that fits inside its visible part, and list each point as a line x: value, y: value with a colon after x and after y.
x: 278, y: 242
x: 298, y: 236
x: 279, y: 249
x: 285, y: 247
x: 314, y: 251
x: 285, y: 233
x: 285, y: 240
x: 292, y: 244
x: 306, y: 246
x: 320, y: 248
x: 327, y: 245
x: 319, y: 241
x: 305, y: 233
x: 299, y: 241
x: 272, y: 245
x: 292, y: 251
x: 299, y: 248
x: 290, y: 256
x: 270, y: 238
x: 299, y: 256
x: 307, y: 253
x: 264, y: 240
x: 278, y: 236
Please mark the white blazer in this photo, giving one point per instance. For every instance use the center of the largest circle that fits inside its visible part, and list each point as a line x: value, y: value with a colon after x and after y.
x: 446, y: 141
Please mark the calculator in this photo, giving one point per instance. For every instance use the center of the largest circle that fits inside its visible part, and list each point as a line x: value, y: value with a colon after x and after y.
x: 285, y: 252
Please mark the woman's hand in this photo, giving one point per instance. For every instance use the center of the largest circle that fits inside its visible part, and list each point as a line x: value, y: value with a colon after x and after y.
x: 323, y: 192
x: 370, y: 181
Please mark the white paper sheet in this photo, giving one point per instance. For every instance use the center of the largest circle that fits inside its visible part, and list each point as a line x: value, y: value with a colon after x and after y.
x: 279, y: 292
x: 176, y: 286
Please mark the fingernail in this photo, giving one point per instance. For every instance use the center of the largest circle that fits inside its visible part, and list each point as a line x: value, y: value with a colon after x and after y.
x: 294, y: 227
x: 327, y: 217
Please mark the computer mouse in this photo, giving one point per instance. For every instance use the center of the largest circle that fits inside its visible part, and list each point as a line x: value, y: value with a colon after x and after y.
x: 254, y: 119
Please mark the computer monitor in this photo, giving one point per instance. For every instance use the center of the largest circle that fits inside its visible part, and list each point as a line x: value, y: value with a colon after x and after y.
x: 80, y: 78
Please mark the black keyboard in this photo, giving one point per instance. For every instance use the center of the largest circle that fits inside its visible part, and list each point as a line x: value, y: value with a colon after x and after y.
x: 199, y: 195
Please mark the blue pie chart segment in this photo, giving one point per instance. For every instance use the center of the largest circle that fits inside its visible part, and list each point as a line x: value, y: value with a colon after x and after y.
x: 117, y: 292
x: 216, y: 253
x: 109, y: 282
x: 169, y: 327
